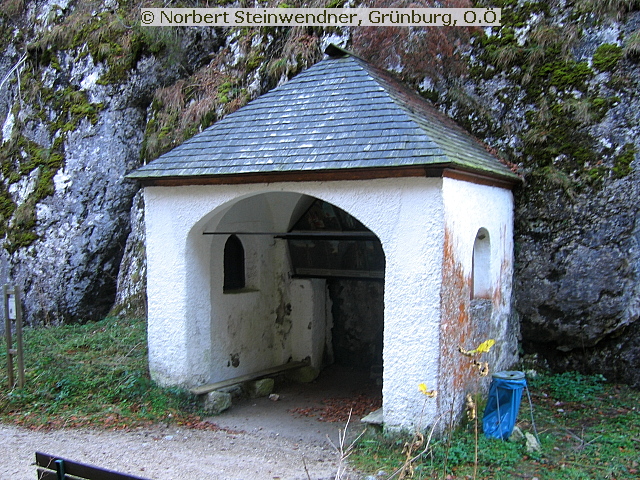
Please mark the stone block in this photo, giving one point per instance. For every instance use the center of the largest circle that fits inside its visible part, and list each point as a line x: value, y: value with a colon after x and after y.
x: 260, y: 388
x: 217, y: 402
x: 235, y: 391
x: 516, y: 435
x: 303, y: 374
x: 374, y: 418
x: 532, y: 444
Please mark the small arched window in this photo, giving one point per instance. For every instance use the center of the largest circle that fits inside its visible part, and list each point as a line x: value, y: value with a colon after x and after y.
x: 481, y: 266
x: 233, y: 264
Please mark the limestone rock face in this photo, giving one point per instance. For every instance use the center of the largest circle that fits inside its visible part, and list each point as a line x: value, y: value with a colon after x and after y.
x: 131, y: 289
x: 71, y: 132
x: 577, y: 285
x: 577, y: 242
x: 578, y: 267
x: 67, y: 274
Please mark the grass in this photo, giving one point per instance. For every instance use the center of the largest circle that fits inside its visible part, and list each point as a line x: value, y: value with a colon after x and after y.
x: 588, y: 429
x: 94, y: 374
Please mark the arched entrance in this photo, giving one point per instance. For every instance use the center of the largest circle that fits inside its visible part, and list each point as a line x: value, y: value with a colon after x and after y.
x: 311, y: 286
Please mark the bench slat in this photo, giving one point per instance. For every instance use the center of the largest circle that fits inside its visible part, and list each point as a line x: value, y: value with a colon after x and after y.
x: 201, y: 390
x: 77, y: 469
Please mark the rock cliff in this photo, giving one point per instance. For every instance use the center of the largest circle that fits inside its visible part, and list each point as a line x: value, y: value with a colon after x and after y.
x: 88, y: 94
x: 77, y: 85
x: 577, y: 216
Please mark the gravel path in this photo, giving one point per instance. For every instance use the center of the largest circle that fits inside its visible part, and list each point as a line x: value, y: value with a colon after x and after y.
x: 257, y: 439
x: 169, y: 453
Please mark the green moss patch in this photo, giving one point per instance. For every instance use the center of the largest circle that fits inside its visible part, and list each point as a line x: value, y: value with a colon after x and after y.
x: 606, y: 57
x: 622, y: 161
x: 61, y: 110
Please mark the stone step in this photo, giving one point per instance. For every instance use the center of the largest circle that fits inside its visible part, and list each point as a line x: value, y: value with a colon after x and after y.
x: 374, y: 418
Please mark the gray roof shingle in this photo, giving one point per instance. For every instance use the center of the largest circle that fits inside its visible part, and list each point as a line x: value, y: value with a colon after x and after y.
x: 341, y: 113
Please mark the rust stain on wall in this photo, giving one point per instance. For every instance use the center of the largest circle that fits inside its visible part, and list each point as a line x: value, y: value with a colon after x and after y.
x: 457, y: 375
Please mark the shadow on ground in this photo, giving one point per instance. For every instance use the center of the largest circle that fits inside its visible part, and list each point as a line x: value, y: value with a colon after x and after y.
x: 309, y: 413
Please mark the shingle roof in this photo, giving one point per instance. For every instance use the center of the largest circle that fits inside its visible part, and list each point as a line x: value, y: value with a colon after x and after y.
x: 341, y: 113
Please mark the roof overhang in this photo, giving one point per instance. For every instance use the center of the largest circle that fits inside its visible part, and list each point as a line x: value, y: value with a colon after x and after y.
x: 429, y: 171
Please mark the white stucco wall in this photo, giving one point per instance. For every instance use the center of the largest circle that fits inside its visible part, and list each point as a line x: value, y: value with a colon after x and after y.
x: 468, y: 208
x: 193, y: 324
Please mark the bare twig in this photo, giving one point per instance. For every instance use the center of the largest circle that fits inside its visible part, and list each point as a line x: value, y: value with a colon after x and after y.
x: 448, y: 446
x: 13, y: 69
x: 410, y: 461
x: 580, y: 439
x: 533, y: 422
x: 475, y: 458
x: 306, y: 470
x: 343, y: 452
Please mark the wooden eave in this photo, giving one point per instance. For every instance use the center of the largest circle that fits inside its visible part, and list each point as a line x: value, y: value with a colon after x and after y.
x: 428, y: 171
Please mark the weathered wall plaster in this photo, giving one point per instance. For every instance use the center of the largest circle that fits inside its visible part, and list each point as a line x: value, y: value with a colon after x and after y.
x: 198, y: 333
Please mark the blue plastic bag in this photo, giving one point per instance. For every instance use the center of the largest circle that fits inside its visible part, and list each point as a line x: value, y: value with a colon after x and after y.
x: 503, y: 404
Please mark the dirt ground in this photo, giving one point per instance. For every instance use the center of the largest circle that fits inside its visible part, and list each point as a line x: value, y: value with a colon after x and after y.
x: 258, y: 439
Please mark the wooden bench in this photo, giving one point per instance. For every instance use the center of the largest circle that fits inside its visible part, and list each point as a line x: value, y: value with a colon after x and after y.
x: 212, y: 387
x: 52, y: 467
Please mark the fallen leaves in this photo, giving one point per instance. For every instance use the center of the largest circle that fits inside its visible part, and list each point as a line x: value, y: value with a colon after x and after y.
x: 338, y: 409
x: 211, y: 427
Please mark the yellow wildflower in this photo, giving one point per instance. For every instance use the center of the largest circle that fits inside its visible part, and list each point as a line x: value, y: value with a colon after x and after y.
x: 429, y: 393
x: 484, y: 347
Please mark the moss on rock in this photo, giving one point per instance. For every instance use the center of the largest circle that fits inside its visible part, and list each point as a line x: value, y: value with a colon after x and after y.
x: 606, y: 57
x: 60, y: 111
x: 622, y: 161
x: 563, y: 102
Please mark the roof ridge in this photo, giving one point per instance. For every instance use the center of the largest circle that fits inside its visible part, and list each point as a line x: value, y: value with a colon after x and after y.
x: 335, y: 51
x: 391, y: 84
